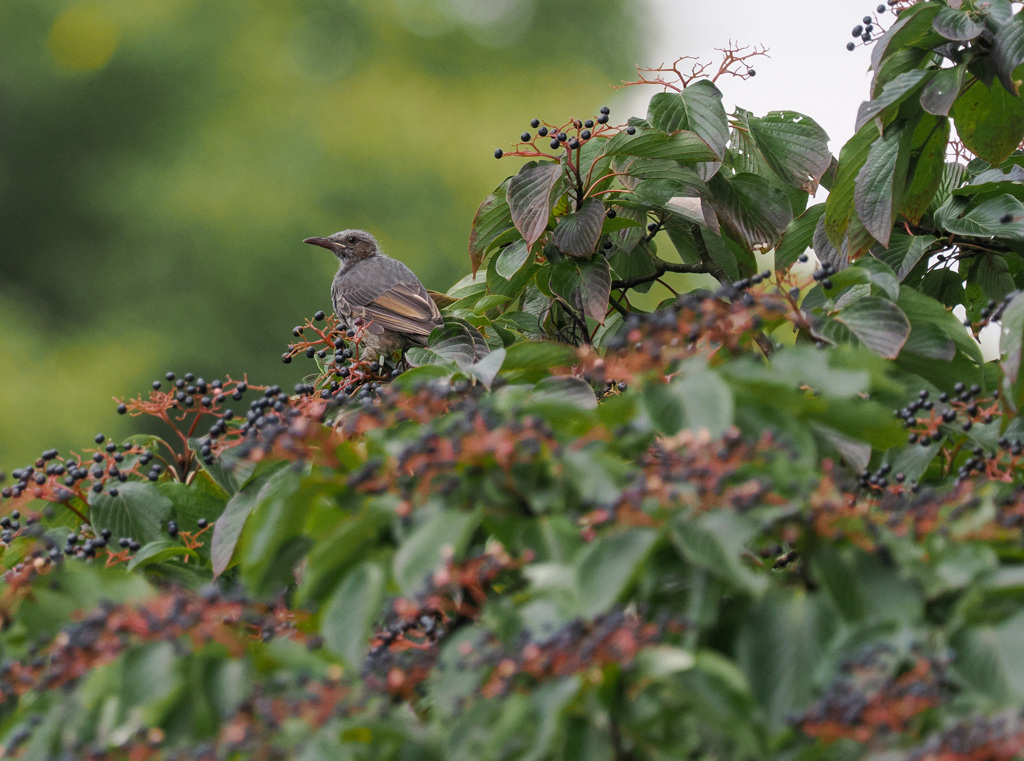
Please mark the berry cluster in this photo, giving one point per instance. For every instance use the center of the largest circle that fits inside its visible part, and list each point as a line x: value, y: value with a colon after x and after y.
x: 569, y: 136
x: 869, y: 30
x: 878, y: 695
x: 341, y: 370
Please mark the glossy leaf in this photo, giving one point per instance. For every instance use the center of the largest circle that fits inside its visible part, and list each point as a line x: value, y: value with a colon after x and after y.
x: 874, y: 195
x: 987, y: 219
x: 512, y: 258
x: 1008, y: 51
x: 927, y: 164
x: 685, y: 146
x: 576, y: 234
x: 797, y: 237
x: 530, y: 198
x: 840, y: 201
x: 753, y: 212
x: 697, y: 108
x: 989, y: 121
x: 794, y: 146
x: 900, y: 88
x: 941, y: 91
x: 957, y: 24
x: 492, y: 219
x: 139, y: 511
x: 878, y: 324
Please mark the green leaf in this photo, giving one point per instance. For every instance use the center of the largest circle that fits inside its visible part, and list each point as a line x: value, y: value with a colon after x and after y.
x: 228, y: 528
x: 486, y: 370
x: 1011, y: 350
x: 531, y: 197
x: 794, y: 146
x: 927, y: 165
x: 894, y: 92
x: 839, y: 204
x: 157, y: 552
x: 991, y: 272
x: 697, y: 108
x: 798, y: 237
x: 351, y: 611
x: 942, y: 89
x: 696, y: 399
x: 585, y: 285
x: 139, y: 511
x: 957, y: 25
x: 685, y: 146
x: 985, y: 219
x: 878, y: 324
x: 750, y: 209
x: 1008, y: 52
x: 989, y: 121
x: 537, y: 355
x: 452, y: 343
x: 716, y: 541
x: 905, y: 251
x: 576, y: 234
x: 873, y: 198
x: 444, y: 535
x: 605, y: 568
x: 512, y: 258
x: 492, y: 219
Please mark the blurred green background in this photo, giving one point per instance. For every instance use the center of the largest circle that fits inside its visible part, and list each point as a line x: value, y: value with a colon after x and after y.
x: 160, y: 163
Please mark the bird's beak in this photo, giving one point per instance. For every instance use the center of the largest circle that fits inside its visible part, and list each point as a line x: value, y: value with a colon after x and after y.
x: 323, y: 242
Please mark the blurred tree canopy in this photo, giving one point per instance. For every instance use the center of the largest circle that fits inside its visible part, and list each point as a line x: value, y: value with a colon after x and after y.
x: 161, y: 162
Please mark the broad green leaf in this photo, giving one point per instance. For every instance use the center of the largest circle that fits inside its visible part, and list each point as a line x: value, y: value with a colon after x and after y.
x: 750, y: 209
x: 139, y: 511
x: 991, y: 272
x: 605, y: 567
x: 1011, y: 350
x: 351, y: 611
x: 905, y: 251
x: 995, y: 180
x: 530, y: 198
x: 913, y: 28
x: 576, y: 234
x: 1008, y: 52
x: 564, y: 390
x: 794, y: 146
x: 696, y: 399
x: 989, y: 121
x: 685, y: 146
x: 874, y: 195
x: 894, y: 92
x: 486, y: 370
x: 798, y: 237
x: 444, y: 535
x: 697, y: 108
x: 927, y: 164
x: 839, y: 204
x: 228, y: 528
x: 492, y: 218
x: 583, y: 285
x: 957, y: 25
x: 986, y: 219
x: 157, y: 552
x: 878, y: 324
x: 538, y: 355
x: 450, y: 343
x: 512, y: 258
x: 716, y: 541
x: 921, y: 308
x: 942, y: 89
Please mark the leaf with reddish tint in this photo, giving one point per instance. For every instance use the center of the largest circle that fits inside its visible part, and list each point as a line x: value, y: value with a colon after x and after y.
x: 576, y: 234
x: 752, y: 211
x: 531, y: 197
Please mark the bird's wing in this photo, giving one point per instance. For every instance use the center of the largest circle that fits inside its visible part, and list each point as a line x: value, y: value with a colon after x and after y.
x: 405, y: 306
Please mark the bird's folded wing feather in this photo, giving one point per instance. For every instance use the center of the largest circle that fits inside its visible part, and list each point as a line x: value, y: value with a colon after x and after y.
x: 406, y: 308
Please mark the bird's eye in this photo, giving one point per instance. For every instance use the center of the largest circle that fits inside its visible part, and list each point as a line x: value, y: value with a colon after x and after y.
x: 351, y: 239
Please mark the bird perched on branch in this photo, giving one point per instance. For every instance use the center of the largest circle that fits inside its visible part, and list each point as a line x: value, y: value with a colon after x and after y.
x: 394, y: 306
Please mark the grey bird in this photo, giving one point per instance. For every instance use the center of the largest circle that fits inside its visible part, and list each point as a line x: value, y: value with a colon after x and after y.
x: 395, y: 308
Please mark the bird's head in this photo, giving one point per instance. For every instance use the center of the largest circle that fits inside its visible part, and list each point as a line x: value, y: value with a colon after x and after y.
x: 349, y: 245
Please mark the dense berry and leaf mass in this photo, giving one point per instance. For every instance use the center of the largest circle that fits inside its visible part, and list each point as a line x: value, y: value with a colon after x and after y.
x: 778, y: 516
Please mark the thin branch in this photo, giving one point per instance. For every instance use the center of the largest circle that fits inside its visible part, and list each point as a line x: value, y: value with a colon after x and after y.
x: 691, y: 269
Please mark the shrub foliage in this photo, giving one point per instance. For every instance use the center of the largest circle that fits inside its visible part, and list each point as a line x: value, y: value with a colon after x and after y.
x: 776, y: 518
